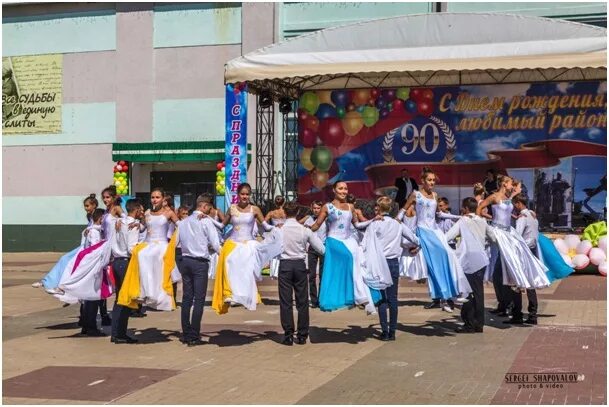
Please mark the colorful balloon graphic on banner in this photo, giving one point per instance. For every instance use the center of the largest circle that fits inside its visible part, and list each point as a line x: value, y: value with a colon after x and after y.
x: 121, y: 177
x: 327, y: 118
x: 220, y: 178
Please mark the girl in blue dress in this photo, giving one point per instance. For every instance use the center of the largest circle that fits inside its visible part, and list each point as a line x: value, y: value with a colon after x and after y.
x: 445, y: 276
x: 342, y: 282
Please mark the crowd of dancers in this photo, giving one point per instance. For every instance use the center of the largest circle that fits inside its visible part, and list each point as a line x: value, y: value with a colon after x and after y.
x: 141, y: 256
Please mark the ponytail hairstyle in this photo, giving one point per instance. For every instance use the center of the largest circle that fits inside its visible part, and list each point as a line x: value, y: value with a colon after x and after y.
x: 91, y: 199
x: 426, y: 171
x: 478, y: 189
x: 111, y: 189
x: 279, y: 201
x: 502, y: 179
x: 351, y: 199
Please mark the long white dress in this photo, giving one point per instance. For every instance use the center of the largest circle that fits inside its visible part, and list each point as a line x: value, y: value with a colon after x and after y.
x: 151, y: 263
x: 519, y: 266
x: 412, y: 266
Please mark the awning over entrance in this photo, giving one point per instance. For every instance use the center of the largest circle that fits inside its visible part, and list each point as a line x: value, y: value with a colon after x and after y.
x: 179, y: 151
x: 427, y: 49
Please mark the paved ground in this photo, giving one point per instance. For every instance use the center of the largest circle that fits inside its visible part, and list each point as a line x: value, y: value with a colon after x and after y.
x: 45, y: 361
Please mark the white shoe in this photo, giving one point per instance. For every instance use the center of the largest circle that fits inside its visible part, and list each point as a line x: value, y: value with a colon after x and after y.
x: 53, y: 291
x: 461, y: 300
x: 37, y: 284
x: 447, y: 308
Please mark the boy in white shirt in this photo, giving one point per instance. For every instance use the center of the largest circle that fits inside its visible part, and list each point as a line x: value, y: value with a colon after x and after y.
x: 391, y: 242
x: 93, y: 233
x: 125, y: 239
x: 472, y: 255
x: 527, y: 226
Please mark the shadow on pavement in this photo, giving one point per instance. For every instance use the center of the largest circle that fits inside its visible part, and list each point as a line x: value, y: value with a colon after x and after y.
x: 352, y: 335
x: 154, y: 335
x: 229, y: 337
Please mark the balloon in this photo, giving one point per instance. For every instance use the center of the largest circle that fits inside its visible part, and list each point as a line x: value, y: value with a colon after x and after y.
x: 350, y: 107
x: 309, y: 102
x: 380, y: 103
x: 415, y: 94
x: 572, y: 241
x: 580, y: 261
x: 325, y: 96
x: 321, y: 157
x: 307, y: 137
x: 117, y: 184
x: 119, y: 168
x: 427, y: 94
x: 223, y: 170
x: 398, y: 104
x: 602, y: 244
x: 375, y: 92
x: 561, y: 246
x: 370, y: 115
x: 331, y: 132
x: 325, y: 110
x: 388, y: 94
x: 340, y: 112
x: 218, y: 166
x: 353, y: 123
x: 402, y: 93
x: 115, y: 170
x: 311, y: 122
x: 597, y: 256
x: 425, y: 108
x: 360, y: 109
x: 305, y: 159
x: 371, y: 102
x: 340, y: 98
x: 122, y: 162
x: 602, y: 268
x: 361, y: 96
x: 410, y: 106
x: 302, y: 114
x: 319, y: 179
x: 583, y: 247
x: 383, y: 113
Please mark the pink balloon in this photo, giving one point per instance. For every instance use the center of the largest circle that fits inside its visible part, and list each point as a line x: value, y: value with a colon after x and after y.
x: 597, y: 256
x: 580, y: 261
x: 583, y: 247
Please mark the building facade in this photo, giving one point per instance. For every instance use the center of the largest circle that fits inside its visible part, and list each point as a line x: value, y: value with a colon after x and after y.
x: 143, y: 82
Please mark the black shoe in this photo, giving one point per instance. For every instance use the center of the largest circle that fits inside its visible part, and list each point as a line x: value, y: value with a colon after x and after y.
x: 384, y: 336
x: 93, y: 333
x: 465, y: 330
x: 433, y: 305
x: 503, y: 314
x: 531, y: 321
x: 195, y: 342
x: 106, y: 320
x: 391, y: 336
x: 479, y: 330
x: 288, y: 341
x: 126, y: 339
x: 137, y: 314
x: 496, y: 311
x: 314, y: 305
x: 513, y: 321
x: 301, y: 340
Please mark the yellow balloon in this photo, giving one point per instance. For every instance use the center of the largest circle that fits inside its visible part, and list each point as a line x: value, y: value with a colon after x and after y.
x: 305, y: 159
x: 353, y: 123
x: 325, y: 96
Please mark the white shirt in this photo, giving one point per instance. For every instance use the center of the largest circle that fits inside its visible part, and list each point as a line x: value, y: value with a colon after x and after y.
x: 321, y: 233
x: 93, y: 235
x: 528, y: 227
x: 471, y: 252
x: 390, y: 236
x: 196, y: 235
x: 125, y: 239
x: 295, y: 239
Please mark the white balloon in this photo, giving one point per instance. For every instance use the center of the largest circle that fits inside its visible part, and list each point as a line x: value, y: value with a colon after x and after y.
x: 567, y: 260
x: 572, y: 241
x: 597, y: 256
x: 602, y: 244
x: 561, y: 246
x: 602, y: 268
x: 580, y: 261
x: 583, y: 247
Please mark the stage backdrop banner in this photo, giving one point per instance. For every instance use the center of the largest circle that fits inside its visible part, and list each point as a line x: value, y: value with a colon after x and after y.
x: 533, y: 131
x: 236, y: 139
x: 31, y: 94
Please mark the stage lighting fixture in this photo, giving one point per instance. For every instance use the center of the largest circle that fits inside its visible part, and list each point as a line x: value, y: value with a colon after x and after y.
x: 285, y: 105
x: 265, y: 100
